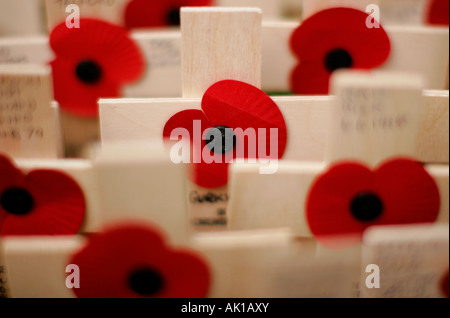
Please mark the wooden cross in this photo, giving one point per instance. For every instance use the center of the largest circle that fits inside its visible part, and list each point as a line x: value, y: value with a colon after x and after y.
x: 251, y: 208
x: 29, y: 124
x: 208, y: 57
x: 412, y: 262
x: 122, y: 183
x: 306, y: 118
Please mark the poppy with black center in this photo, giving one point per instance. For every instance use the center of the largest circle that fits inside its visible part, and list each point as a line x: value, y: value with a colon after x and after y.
x: 332, y: 39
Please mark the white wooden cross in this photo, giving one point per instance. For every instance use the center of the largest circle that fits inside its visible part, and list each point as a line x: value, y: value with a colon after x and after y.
x: 411, y: 262
x: 244, y: 264
x: 251, y: 206
x: 306, y: 118
x: 218, y: 44
x: 122, y: 183
x: 81, y: 171
x: 29, y: 123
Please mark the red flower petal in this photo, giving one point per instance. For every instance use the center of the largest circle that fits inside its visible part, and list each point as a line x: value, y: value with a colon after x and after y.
x: 76, y: 97
x: 235, y: 105
x: 311, y: 78
x: 239, y: 105
x: 119, y: 252
x: 439, y: 12
x: 105, y: 44
x: 210, y: 176
x: 327, y: 208
x: 10, y: 176
x: 58, y: 203
x: 332, y: 29
x: 156, y: 13
x: 185, y: 119
x: 408, y: 194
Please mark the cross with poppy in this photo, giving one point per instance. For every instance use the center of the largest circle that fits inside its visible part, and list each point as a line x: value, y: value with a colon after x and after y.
x: 29, y: 126
x: 222, y: 64
x: 346, y: 195
x: 338, y: 38
x: 145, y: 263
x: 304, y: 116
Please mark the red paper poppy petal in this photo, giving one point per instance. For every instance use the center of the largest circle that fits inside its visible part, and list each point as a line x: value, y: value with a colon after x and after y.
x: 328, y: 204
x: 76, y: 97
x: 192, y: 280
x: 310, y: 78
x: 209, y: 176
x: 106, y: 43
x: 154, y: 13
x: 10, y: 176
x: 343, y: 28
x: 185, y: 119
x: 120, y: 251
x: 59, y: 206
x: 115, y: 253
x: 418, y: 201
x: 239, y: 105
x: 142, y: 14
x: 438, y: 13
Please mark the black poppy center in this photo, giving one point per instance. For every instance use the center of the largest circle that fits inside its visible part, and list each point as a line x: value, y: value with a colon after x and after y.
x: 337, y: 59
x: 146, y: 282
x: 221, y: 139
x: 173, y: 17
x: 17, y: 201
x: 89, y: 72
x: 366, y: 207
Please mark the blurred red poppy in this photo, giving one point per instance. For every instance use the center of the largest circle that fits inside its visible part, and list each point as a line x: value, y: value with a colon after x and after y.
x: 349, y: 198
x: 92, y: 62
x: 227, y: 106
x: 134, y: 261
x: 333, y: 39
x: 42, y: 202
x: 156, y: 13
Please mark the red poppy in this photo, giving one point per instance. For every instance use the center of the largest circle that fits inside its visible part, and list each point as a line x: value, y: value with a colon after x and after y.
x: 349, y: 198
x: 333, y: 39
x: 227, y: 106
x: 157, y: 13
x: 92, y: 62
x: 133, y: 261
x: 43, y: 202
x: 438, y: 13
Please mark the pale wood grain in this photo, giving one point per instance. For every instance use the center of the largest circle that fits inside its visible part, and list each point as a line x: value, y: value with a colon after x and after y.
x: 36, y: 266
x: 412, y: 260
x: 220, y: 44
x: 137, y: 181
x: 375, y: 116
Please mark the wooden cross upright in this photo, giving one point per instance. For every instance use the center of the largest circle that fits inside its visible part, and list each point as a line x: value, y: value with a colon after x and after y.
x: 218, y: 44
